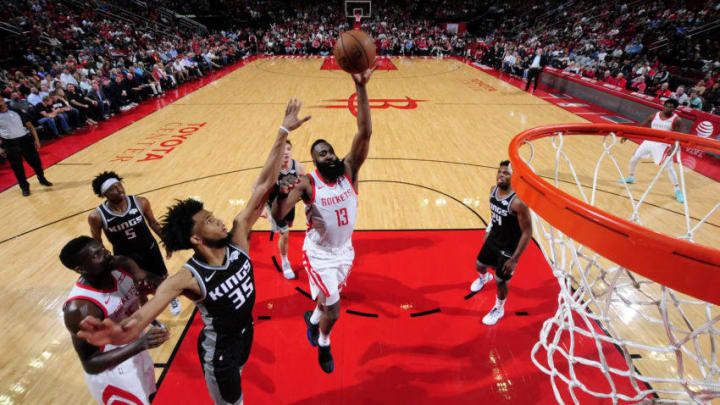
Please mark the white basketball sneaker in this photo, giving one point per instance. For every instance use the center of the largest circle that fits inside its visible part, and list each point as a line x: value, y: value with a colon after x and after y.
x: 175, y: 307
x: 479, y: 282
x: 493, y: 316
x: 288, y: 271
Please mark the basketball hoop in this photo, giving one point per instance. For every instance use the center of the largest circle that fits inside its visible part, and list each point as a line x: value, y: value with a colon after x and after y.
x: 651, y: 295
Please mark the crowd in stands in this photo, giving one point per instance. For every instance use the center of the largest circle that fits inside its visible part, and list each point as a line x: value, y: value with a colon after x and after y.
x: 82, y: 66
x: 99, y: 66
x: 613, y: 42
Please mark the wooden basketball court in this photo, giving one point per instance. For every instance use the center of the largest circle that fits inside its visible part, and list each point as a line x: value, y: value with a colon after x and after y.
x: 440, y: 127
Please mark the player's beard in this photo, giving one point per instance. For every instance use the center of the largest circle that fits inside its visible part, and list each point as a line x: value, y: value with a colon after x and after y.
x: 332, y: 170
x: 504, y: 186
x: 219, y: 243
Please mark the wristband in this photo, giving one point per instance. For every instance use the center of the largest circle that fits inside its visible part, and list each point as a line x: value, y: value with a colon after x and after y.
x: 282, y: 128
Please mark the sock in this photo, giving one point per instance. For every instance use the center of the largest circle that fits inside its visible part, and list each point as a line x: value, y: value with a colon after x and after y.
x: 315, y: 318
x: 500, y: 303
x: 323, y: 339
x: 673, y: 177
x: 285, y: 259
x: 633, y: 165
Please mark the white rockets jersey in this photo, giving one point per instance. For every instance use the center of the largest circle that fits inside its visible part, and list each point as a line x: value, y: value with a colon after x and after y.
x: 117, y: 304
x: 665, y: 124
x: 657, y: 149
x: 132, y: 381
x: 331, y: 212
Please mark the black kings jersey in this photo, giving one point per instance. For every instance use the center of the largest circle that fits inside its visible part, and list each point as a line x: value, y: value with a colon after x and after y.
x: 228, y: 291
x: 127, y: 232
x: 505, y: 230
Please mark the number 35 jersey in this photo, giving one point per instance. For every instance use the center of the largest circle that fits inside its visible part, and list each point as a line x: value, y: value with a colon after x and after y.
x: 228, y: 291
x: 128, y: 231
x: 331, y: 212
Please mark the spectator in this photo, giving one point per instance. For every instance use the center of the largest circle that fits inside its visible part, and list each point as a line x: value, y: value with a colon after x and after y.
x: 100, y: 102
x: 663, y: 93
x: 78, y: 101
x: 18, y: 103
x: 607, y: 77
x: 60, y: 103
x: 122, y: 98
x: 699, y: 88
x: 50, y: 117
x: 695, y: 101
x: 34, y: 97
x: 620, y: 81
x: 67, y: 78
x: 638, y: 84
x: 680, y: 95
x: 712, y: 97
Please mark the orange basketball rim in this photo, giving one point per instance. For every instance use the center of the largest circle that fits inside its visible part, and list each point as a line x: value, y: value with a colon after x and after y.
x: 684, y: 266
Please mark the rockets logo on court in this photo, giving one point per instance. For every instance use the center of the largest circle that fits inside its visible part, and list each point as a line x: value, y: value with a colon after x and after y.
x: 350, y: 103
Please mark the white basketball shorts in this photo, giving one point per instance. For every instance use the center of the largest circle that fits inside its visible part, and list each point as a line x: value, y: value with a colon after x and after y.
x: 327, y: 268
x: 129, y: 383
x: 651, y: 149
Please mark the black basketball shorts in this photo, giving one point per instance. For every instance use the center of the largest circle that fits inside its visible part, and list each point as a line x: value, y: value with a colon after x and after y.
x: 150, y: 260
x: 222, y: 357
x: 491, y: 255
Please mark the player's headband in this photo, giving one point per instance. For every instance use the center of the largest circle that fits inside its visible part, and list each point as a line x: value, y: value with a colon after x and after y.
x: 107, y: 183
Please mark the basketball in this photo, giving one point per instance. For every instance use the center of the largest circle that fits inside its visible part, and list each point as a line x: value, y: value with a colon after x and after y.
x: 354, y: 51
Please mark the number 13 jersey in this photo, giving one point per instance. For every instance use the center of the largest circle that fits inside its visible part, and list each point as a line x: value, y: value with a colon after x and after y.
x: 331, y: 211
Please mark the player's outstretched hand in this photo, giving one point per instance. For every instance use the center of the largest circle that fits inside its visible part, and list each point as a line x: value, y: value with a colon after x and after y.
x: 101, y: 333
x: 291, y: 121
x: 287, y: 183
x: 362, y: 78
x: 155, y: 337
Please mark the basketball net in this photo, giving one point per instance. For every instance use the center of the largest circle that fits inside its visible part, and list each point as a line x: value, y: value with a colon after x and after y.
x: 668, y: 341
x: 358, y: 18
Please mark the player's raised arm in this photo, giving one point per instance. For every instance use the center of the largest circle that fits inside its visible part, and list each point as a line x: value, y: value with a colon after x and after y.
x: 102, y: 332
x: 266, y: 179
x: 361, y: 142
